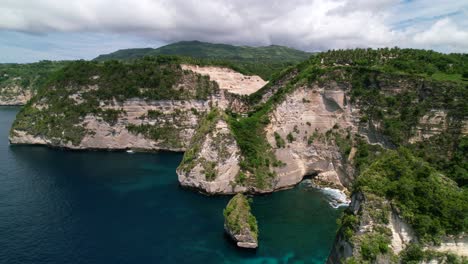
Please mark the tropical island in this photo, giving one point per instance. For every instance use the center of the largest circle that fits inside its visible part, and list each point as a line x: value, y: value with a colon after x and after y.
x: 387, y: 127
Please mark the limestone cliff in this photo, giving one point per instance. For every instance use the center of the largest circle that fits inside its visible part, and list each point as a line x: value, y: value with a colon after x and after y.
x: 372, y: 231
x: 139, y: 125
x: 14, y: 95
x: 85, y: 116
x: 20, y: 82
x: 211, y: 164
x: 311, y: 129
x: 303, y: 130
x: 369, y: 225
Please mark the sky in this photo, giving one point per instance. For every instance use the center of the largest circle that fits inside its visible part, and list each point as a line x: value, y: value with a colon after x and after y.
x: 33, y: 30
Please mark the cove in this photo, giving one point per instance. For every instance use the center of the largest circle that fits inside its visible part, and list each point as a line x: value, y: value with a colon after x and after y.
x: 61, y: 206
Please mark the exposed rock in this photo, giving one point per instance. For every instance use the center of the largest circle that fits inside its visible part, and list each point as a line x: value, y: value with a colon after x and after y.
x: 180, y: 116
x: 239, y: 223
x: 430, y: 124
x: 307, y: 112
x: 228, y: 79
x: 14, y: 95
x: 402, y: 233
x: 374, y: 217
x: 456, y: 245
x: 305, y: 116
x: 211, y: 164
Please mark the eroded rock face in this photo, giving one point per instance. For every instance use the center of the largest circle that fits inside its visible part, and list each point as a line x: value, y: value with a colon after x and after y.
x: 301, y: 121
x: 14, y: 95
x: 180, y: 116
x: 370, y: 210
x: 402, y: 233
x: 140, y: 124
x: 373, y: 215
x: 228, y: 79
x: 306, y: 114
x: 211, y: 164
x: 457, y: 245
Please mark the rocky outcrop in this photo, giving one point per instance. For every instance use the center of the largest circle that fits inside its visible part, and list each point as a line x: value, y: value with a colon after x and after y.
x: 211, y: 164
x: 297, y: 132
x: 303, y: 131
x: 402, y: 233
x: 14, y: 95
x: 239, y: 223
x: 457, y: 245
x: 228, y: 79
x: 370, y: 220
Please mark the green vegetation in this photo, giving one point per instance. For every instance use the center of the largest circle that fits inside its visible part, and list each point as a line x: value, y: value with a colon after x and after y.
x: 430, y: 202
x: 414, y: 254
x: 149, y: 78
x: 280, y: 143
x: 290, y: 137
x: 219, y: 141
x: 18, y: 79
x: 374, y: 244
x: 238, y: 217
x: 111, y: 116
x: 209, y: 169
x: 410, y: 61
x: 257, y: 155
x: 448, y: 153
x: 167, y: 135
x: 207, y: 124
x: 262, y: 61
x: 31, y: 75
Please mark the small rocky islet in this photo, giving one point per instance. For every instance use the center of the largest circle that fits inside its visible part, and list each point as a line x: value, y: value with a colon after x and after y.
x: 239, y: 222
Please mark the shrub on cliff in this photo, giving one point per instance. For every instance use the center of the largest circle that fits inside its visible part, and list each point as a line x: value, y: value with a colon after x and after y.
x: 430, y: 202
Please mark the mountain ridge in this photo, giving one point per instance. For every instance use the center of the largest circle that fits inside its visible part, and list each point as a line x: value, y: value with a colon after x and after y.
x: 181, y: 48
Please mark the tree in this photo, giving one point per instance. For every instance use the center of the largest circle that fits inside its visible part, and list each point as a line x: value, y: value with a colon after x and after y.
x: 465, y: 75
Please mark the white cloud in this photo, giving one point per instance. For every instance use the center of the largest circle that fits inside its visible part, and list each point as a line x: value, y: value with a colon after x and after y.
x: 306, y: 24
x: 444, y: 33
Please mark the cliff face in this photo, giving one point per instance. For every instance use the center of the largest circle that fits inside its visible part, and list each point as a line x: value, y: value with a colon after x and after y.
x: 132, y: 123
x: 297, y: 132
x: 229, y: 79
x: 20, y: 82
x: 14, y: 95
x: 312, y: 131
x: 211, y: 164
x: 369, y: 224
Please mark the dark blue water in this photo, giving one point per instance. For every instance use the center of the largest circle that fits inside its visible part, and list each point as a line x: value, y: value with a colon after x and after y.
x: 101, y: 207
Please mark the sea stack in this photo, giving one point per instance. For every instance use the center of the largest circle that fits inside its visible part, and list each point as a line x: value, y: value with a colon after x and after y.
x: 239, y: 222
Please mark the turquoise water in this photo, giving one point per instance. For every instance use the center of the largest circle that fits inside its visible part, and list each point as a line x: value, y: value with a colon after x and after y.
x: 61, y: 206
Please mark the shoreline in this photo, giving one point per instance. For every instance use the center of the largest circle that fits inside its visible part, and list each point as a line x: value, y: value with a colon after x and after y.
x: 336, y: 198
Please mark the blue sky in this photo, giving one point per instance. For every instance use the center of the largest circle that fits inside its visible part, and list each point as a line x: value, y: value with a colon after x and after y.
x: 32, y: 30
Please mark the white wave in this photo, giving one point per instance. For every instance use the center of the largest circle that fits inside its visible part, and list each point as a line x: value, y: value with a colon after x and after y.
x: 337, y: 198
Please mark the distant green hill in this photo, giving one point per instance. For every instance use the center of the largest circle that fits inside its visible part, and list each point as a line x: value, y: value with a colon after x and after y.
x: 263, y: 61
